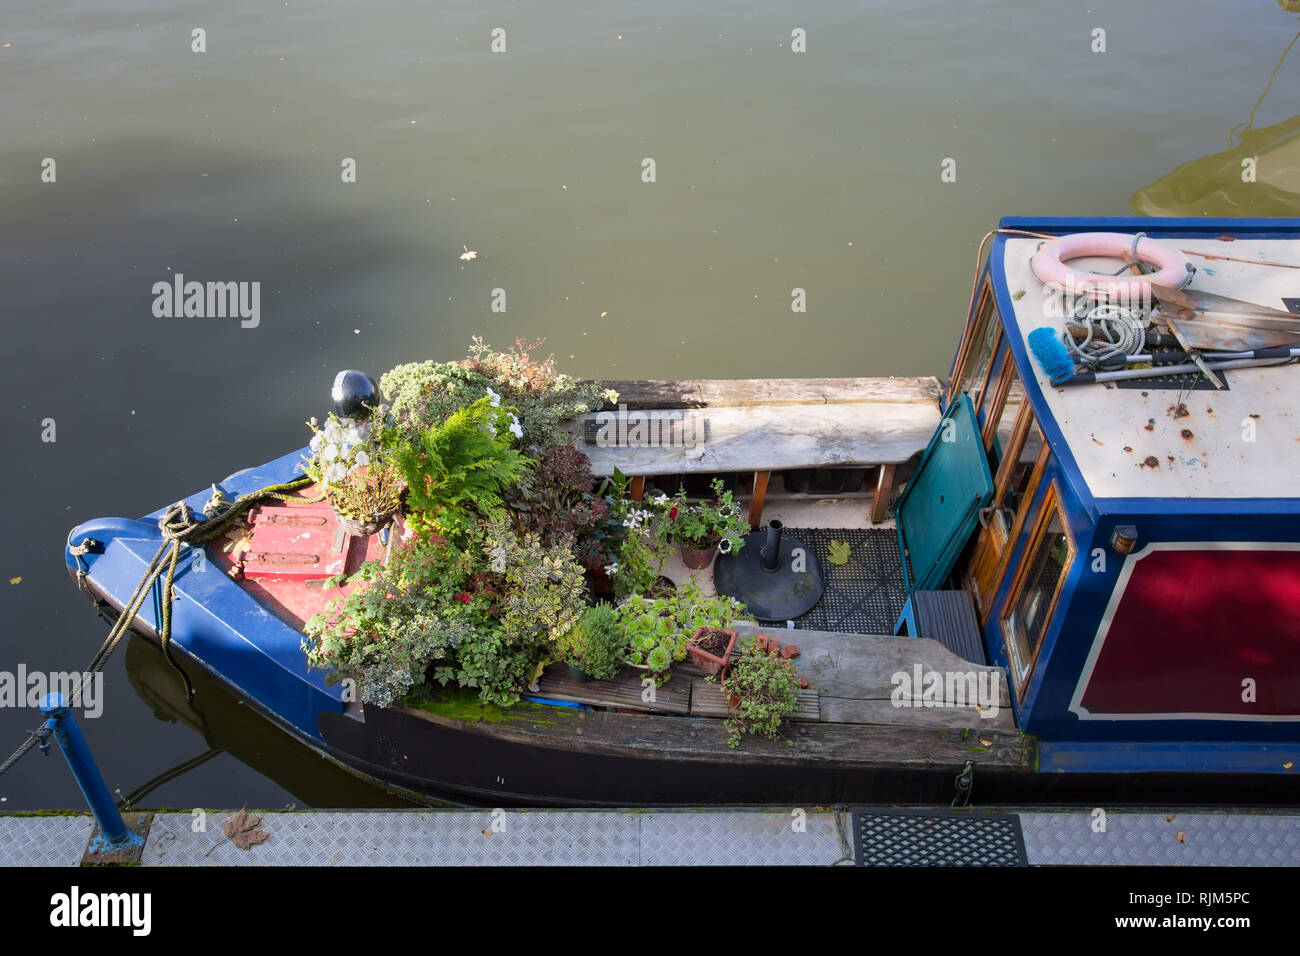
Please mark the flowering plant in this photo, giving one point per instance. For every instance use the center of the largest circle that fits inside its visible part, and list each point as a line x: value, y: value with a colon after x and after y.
x: 642, y: 548
x: 707, y: 524
x: 351, y: 461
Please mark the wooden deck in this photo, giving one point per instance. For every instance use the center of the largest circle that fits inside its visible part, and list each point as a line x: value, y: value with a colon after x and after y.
x: 852, y: 677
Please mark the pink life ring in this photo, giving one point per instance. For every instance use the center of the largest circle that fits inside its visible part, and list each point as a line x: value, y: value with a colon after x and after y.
x: 1049, y: 264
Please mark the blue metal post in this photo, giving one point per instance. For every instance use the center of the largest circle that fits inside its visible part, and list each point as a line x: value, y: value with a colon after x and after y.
x: 63, y: 726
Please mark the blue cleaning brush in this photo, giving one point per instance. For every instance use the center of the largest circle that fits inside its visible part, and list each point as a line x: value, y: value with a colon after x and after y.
x: 1051, y: 353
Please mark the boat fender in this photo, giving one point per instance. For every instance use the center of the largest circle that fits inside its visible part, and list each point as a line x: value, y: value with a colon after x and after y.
x: 1050, y: 264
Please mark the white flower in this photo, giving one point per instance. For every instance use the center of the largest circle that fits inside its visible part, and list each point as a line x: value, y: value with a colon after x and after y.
x: 496, y: 399
x: 661, y: 500
x: 362, y: 459
x: 353, y: 437
x: 312, y: 421
x: 515, y: 428
x: 611, y: 569
x: 333, y: 432
x: 317, y: 442
x: 329, y: 453
x: 335, y: 473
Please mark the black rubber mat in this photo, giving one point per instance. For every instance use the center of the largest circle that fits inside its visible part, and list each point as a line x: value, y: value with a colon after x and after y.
x: 937, y: 838
x: 864, y: 595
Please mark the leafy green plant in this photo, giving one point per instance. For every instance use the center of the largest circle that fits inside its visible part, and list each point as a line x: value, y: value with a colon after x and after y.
x: 658, y: 630
x: 768, y: 692
x: 537, y: 601
x: 556, y: 501
x: 596, y: 644
x: 427, y: 393
x: 394, y: 620
x: 458, y: 469
x: 707, y: 524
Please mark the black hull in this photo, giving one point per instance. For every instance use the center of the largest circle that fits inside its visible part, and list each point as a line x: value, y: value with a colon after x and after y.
x: 472, y: 764
x: 435, y: 759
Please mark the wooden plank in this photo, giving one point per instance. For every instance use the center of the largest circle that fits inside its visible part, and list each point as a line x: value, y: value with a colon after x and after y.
x: 884, y: 485
x: 862, y: 666
x: 637, y: 490
x: 702, y: 393
x: 760, y: 496
x: 839, y: 710
x: 774, y: 437
x: 710, y: 700
x: 623, y: 691
x: 687, y: 740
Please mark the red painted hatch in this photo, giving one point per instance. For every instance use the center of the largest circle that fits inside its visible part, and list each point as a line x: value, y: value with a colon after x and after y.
x: 286, y: 552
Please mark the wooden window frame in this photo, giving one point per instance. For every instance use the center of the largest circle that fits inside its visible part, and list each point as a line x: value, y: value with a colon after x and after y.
x: 985, y: 309
x: 1031, y: 489
x: 1051, y: 503
x: 1007, y: 466
x: 994, y: 413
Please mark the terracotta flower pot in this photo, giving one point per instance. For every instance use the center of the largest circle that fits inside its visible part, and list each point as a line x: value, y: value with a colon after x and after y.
x: 697, y: 558
x: 706, y: 661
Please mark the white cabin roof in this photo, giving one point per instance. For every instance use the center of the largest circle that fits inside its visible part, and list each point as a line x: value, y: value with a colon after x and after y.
x: 1109, y: 430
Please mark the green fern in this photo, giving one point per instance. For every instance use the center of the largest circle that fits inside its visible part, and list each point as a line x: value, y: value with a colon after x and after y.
x: 457, y: 469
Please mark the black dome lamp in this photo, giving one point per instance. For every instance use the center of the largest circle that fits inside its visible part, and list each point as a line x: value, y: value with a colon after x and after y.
x: 776, y: 577
x: 354, y: 394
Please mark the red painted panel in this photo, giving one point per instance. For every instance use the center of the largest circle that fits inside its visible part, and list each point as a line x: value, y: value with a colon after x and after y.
x: 1192, y: 625
x: 293, y: 590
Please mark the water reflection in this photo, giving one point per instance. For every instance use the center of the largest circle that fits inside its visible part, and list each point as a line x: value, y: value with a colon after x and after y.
x: 1214, y: 186
x: 226, y: 724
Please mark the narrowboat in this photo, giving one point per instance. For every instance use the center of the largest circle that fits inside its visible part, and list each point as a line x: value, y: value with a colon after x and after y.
x: 1069, y: 572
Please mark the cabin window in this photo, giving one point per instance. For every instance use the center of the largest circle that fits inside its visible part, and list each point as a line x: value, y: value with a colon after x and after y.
x: 1001, y: 421
x: 1022, y: 468
x: 977, y: 358
x: 1037, y: 588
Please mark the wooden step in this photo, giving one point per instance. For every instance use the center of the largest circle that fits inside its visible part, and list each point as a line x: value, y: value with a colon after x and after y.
x: 710, y: 700
x: 624, y: 691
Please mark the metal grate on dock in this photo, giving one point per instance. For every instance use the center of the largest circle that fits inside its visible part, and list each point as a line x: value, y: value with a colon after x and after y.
x: 866, y: 594
x: 937, y: 838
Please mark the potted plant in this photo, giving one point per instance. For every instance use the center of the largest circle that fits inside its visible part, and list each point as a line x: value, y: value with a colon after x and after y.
x: 350, y: 460
x: 710, y: 648
x: 763, y: 692
x: 707, y: 527
x: 594, y: 648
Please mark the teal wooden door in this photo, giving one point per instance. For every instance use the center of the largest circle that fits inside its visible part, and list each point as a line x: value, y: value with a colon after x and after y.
x: 940, y: 507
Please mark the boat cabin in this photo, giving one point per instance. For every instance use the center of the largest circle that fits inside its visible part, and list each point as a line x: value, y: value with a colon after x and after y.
x: 1136, y: 564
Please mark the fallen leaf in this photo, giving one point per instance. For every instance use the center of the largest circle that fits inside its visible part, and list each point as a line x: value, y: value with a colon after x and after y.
x: 16, y: 580
x: 243, y: 830
x: 487, y: 833
x: 469, y: 254
x: 1018, y: 295
x: 1288, y: 765
x: 986, y: 743
x: 839, y: 552
x: 1169, y: 819
x: 1182, y: 837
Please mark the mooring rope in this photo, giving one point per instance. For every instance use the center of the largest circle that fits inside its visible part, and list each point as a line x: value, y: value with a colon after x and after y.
x: 180, y: 528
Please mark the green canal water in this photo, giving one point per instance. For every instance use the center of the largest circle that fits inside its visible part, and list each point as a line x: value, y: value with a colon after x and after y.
x: 774, y: 170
